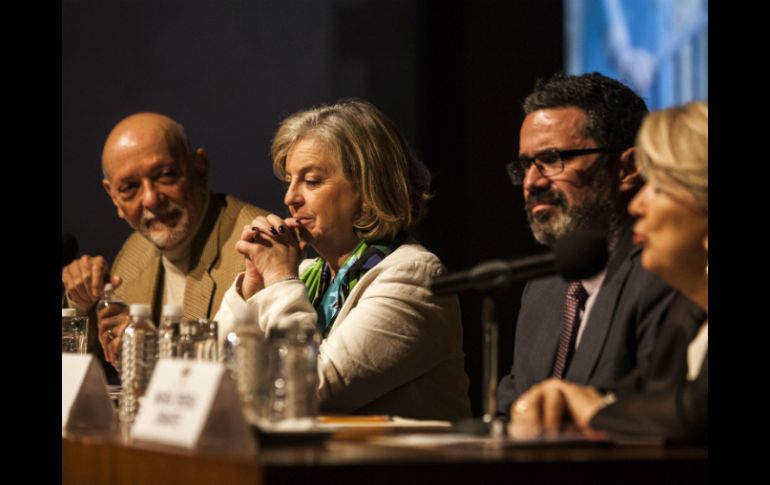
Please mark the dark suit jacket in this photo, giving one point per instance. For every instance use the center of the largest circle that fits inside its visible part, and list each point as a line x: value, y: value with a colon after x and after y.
x: 658, y: 401
x: 619, y: 332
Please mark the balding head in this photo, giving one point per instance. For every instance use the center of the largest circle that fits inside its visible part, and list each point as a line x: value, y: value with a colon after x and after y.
x: 140, y: 132
x: 157, y: 183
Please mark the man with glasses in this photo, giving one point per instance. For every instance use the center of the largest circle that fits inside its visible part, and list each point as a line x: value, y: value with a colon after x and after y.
x: 576, y: 167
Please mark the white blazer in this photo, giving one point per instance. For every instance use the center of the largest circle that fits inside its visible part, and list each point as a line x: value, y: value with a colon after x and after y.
x: 395, y: 348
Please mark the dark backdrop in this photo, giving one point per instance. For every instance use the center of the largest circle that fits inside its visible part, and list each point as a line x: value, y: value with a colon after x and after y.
x: 452, y: 75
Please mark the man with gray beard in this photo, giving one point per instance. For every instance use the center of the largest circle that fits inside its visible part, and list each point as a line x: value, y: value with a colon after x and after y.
x: 576, y: 167
x: 182, y: 249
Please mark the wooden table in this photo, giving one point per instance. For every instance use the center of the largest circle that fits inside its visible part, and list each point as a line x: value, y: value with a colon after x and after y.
x: 354, y: 461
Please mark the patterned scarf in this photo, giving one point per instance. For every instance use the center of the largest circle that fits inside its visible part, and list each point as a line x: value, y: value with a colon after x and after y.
x: 329, y: 296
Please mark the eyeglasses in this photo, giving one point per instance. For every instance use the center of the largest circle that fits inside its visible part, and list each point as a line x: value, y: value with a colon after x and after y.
x: 548, y: 162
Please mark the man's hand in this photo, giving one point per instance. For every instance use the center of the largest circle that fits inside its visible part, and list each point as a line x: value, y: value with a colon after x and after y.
x: 112, y: 321
x: 544, y: 407
x: 84, y: 280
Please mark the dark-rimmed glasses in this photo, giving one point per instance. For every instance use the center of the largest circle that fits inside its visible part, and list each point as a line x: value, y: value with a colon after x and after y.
x: 548, y: 162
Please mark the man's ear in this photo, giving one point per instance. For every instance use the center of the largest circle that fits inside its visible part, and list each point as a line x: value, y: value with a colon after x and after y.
x: 108, y: 188
x: 200, y: 166
x: 629, y: 174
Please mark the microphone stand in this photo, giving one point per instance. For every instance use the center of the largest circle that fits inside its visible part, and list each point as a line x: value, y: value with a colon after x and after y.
x: 488, y: 425
x: 577, y: 256
x: 489, y: 355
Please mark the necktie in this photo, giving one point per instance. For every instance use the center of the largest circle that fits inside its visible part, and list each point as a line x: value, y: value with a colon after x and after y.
x: 570, y: 321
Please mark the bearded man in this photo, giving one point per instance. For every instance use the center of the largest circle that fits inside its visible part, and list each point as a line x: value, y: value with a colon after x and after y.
x: 182, y: 249
x: 576, y: 167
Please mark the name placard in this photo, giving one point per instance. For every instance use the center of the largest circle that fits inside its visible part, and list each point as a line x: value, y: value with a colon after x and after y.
x: 85, y: 404
x: 192, y: 404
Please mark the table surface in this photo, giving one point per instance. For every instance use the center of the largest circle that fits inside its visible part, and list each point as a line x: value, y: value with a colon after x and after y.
x: 356, y: 457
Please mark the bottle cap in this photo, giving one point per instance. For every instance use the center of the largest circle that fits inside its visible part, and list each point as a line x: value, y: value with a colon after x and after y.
x: 172, y: 310
x: 140, y: 310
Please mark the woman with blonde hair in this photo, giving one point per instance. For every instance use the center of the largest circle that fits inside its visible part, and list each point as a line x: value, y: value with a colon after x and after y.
x: 667, y: 397
x: 353, y: 188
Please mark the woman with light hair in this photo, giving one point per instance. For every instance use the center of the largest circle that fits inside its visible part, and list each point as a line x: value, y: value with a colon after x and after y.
x: 353, y: 189
x: 667, y: 396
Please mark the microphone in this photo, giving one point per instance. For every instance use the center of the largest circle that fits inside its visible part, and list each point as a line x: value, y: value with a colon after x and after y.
x: 69, y: 248
x: 576, y: 256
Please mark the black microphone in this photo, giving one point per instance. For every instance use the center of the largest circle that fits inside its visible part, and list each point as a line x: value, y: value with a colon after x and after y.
x: 69, y: 248
x: 577, y: 256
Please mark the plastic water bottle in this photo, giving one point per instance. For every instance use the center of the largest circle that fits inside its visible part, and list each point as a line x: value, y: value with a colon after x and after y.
x: 110, y: 300
x: 169, y: 331
x: 138, y: 355
x: 114, y: 304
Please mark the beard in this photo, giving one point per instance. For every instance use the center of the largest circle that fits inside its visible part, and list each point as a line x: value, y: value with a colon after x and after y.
x: 160, y: 233
x: 598, y: 209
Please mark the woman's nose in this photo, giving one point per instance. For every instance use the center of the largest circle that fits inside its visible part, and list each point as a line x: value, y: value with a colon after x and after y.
x: 293, y: 197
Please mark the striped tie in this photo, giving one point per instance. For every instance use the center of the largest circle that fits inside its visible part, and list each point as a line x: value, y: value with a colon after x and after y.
x: 570, y: 321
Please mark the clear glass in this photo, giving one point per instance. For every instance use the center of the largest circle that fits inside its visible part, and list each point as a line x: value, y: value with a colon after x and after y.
x: 293, y: 364
x: 246, y: 357
x: 188, y: 334
x: 198, y: 339
x: 74, y: 334
x: 206, y: 344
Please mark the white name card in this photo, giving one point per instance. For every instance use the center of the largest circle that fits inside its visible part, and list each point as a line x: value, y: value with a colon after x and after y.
x: 192, y: 404
x: 85, y: 404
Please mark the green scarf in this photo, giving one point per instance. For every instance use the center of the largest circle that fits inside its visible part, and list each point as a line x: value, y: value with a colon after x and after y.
x: 326, y: 296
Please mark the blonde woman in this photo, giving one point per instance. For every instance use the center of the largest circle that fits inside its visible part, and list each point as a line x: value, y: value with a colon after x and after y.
x: 353, y: 188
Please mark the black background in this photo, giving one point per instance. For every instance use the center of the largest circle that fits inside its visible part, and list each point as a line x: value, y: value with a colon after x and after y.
x: 452, y: 75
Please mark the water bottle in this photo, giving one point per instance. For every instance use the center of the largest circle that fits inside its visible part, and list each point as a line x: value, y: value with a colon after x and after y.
x: 109, y: 299
x: 207, y: 340
x: 139, y: 353
x: 293, y: 357
x: 74, y: 331
x: 169, y: 331
x: 115, y: 304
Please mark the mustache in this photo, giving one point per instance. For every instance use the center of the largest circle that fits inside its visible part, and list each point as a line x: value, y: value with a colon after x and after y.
x: 550, y: 196
x: 171, y: 210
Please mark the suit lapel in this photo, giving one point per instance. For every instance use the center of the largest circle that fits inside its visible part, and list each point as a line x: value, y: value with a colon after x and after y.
x: 140, y: 281
x: 599, y: 321
x: 199, y: 287
x: 147, y: 284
